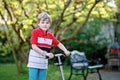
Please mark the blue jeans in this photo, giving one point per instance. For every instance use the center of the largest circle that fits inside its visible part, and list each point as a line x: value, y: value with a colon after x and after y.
x: 37, y: 74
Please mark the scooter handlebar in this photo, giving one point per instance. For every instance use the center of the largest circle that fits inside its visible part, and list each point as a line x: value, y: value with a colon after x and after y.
x: 59, y: 54
x: 56, y: 55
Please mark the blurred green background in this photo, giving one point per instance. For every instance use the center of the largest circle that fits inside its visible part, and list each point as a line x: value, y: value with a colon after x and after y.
x: 85, y: 25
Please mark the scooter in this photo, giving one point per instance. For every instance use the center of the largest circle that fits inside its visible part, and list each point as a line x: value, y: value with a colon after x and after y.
x: 59, y: 63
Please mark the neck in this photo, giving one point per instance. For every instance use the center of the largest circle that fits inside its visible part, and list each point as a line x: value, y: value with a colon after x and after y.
x: 44, y: 31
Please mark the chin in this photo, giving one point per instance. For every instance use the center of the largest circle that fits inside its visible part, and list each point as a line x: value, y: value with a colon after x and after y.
x: 45, y: 29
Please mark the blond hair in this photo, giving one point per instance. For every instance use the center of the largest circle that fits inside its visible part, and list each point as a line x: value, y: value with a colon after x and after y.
x: 44, y: 15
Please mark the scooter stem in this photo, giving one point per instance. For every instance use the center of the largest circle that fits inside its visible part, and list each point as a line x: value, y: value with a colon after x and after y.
x: 60, y: 64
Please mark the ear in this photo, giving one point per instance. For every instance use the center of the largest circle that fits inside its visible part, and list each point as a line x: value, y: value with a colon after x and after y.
x: 38, y: 24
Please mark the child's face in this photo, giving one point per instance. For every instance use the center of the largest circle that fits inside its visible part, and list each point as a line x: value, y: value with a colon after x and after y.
x: 44, y: 24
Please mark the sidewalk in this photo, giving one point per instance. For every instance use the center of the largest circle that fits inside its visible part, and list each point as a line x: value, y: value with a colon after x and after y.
x: 106, y: 75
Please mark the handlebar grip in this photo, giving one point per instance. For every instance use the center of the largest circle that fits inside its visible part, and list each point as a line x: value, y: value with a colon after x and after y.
x: 46, y: 57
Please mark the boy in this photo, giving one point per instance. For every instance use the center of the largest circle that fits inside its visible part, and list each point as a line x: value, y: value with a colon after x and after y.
x: 41, y: 42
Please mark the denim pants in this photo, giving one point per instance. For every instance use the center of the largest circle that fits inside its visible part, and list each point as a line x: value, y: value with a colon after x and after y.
x: 37, y: 74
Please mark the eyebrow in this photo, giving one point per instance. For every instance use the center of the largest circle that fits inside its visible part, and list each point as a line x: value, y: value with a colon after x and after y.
x: 45, y: 19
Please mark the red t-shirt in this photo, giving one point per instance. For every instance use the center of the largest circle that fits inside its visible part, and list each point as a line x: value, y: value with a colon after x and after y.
x: 42, y: 39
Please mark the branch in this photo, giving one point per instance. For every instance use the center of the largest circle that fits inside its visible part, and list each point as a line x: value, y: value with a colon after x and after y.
x: 46, y: 5
x: 3, y: 19
x: 13, y: 18
x: 78, y: 9
x: 25, y: 13
x: 61, y: 16
x: 84, y: 23
x: 66, y: 27
x: 9, y: 11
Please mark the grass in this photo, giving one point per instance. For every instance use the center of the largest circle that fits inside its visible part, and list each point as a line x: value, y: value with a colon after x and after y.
x: 9, y: 72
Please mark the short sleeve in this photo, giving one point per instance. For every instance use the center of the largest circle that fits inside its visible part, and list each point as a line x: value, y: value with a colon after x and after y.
x: 55, y: 40
x: 33, y: 39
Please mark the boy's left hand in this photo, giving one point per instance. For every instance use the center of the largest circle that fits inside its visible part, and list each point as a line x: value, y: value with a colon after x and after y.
x: 67, y: 53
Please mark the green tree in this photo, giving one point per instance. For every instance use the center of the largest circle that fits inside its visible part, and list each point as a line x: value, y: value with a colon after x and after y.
x: 117, y: 20
x: 18, y: 18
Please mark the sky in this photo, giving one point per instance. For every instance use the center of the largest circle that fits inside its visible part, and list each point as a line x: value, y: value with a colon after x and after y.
x: 112, y: 3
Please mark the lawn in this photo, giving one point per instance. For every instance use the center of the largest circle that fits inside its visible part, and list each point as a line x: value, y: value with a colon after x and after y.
x: 9, y: 72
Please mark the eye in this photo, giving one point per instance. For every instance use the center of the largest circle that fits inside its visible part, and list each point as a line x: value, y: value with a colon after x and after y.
x: 42, y: 22
x: 47, y: 22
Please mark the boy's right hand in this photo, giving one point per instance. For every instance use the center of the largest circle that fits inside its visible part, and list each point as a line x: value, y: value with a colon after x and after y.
x: 50, y: 55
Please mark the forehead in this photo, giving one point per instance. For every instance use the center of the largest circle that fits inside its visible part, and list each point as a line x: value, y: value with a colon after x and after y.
x: 45, y: 19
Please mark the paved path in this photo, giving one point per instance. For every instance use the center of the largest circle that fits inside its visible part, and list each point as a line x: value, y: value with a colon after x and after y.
x: 106, y: 75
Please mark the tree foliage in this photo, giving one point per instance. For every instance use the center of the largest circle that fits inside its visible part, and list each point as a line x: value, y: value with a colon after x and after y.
x: 18, y: 18
x: 117, y: 20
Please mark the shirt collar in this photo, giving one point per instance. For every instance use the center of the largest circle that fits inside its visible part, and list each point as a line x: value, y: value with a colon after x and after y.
x: 44, y: 33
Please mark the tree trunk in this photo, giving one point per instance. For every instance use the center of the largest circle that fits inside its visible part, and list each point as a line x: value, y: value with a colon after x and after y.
x: 117, y: 27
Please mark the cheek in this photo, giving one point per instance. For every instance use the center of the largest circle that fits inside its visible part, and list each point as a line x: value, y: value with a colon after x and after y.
x: 39, y: 24
x: 48, y: 25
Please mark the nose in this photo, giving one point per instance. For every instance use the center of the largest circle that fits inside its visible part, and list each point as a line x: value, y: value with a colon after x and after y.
x: 45, y: 24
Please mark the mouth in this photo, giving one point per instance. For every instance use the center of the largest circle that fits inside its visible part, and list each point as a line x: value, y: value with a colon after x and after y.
x: 45, y: 27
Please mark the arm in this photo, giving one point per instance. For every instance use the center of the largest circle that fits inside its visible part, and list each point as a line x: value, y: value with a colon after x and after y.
x: 38, y: 50
x: 44, y: 53
x: 62, y: 47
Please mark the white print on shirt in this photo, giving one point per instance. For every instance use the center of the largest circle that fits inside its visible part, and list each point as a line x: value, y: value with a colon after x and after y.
x: 44, y: 41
